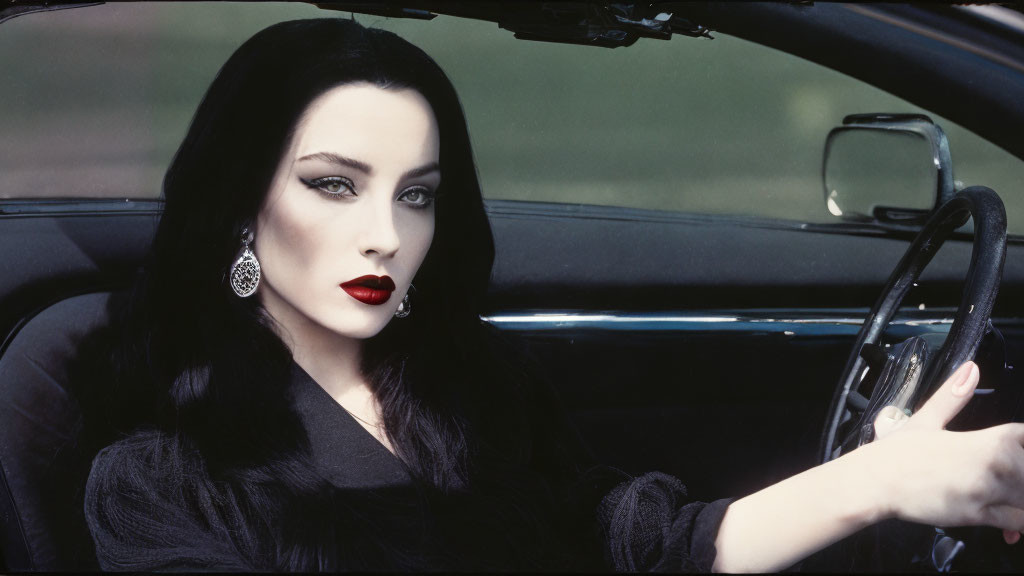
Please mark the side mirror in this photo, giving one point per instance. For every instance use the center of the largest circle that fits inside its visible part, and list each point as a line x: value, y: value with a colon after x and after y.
x: 887, y: 168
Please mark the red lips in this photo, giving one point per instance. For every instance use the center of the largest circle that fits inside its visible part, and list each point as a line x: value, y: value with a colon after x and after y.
x: 370, y: 289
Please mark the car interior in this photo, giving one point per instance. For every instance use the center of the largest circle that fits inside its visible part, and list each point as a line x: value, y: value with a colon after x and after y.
x: 672, y: 337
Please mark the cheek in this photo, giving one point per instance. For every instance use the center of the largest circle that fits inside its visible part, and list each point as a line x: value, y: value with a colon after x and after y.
x: 288, y: 238
x: 418, y: 235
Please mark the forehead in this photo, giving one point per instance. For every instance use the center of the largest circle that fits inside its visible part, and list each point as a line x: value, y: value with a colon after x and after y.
x: 363, y: 119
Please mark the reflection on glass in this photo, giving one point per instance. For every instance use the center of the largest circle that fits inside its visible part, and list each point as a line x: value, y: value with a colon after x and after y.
x: 870, y: 169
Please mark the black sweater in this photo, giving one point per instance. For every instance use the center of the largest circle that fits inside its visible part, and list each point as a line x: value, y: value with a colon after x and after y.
x: 143, y: 519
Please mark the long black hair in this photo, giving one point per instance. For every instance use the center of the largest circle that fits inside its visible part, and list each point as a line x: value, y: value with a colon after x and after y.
x: 205, y: 372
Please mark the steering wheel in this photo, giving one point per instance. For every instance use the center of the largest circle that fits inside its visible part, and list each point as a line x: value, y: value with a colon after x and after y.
x: 903, y: 375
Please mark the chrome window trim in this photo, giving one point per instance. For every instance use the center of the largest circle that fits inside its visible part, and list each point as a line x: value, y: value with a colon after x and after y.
x: 789, y: 323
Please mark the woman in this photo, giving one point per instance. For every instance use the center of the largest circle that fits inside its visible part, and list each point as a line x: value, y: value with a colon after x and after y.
x: 282, y: 397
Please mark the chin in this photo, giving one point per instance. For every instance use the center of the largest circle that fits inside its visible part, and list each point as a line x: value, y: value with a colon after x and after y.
x: 361, y: 327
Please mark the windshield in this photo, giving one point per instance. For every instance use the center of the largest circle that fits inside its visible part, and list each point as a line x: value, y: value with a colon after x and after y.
x: 98, y: 98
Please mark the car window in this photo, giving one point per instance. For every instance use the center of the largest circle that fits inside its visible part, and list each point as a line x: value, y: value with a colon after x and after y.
x: 97, y: 100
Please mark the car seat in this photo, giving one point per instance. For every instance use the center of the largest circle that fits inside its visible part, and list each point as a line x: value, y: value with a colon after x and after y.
x: 41, y: 474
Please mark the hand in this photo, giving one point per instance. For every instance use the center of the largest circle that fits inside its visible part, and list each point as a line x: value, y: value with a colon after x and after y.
x: 917, y: 471
x: 934, y: 476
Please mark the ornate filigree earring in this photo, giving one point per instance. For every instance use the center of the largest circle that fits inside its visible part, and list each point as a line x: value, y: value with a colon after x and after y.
x: 245, y: 272
x: 405, y: 307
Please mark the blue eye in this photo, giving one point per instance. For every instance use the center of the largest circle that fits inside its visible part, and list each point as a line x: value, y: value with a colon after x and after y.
x: 331, y: 186
x: 418, y: 197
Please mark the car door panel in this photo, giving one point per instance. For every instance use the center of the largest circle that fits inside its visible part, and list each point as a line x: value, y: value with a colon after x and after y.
x: 624, y: 314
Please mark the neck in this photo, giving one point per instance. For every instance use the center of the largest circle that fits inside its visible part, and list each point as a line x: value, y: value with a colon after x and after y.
x: 332, y: 360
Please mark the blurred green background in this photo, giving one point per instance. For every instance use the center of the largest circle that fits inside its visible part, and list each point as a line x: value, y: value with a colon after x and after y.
x: 95, y: 101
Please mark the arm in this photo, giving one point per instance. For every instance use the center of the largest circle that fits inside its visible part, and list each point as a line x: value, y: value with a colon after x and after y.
x: 786, y: 522
x: 144, y: 520
x: 921, y: 473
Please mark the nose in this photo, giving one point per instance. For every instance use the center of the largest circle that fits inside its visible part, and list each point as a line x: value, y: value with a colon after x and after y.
x: 380, y: 235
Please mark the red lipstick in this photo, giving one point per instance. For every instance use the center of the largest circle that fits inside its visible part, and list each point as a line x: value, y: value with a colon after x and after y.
x: 370, y: 289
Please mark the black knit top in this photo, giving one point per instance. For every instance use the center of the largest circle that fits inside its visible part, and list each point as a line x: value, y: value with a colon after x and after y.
x: 142, y: 519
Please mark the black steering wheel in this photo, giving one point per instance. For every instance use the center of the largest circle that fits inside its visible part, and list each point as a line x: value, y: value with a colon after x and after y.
x: 903, y: 373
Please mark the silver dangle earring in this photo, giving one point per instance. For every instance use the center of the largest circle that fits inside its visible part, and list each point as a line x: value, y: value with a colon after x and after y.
x: 405, y: 307
x: 245, y: 272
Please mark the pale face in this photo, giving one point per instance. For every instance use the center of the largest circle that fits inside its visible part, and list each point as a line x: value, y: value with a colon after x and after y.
x: 351, y: 199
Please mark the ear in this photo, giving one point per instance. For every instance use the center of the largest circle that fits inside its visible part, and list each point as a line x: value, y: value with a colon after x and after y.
x: 248, y: 232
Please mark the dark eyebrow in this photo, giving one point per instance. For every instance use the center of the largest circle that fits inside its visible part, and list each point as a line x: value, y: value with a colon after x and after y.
x: 340, y: 160
x: 366, y: 168
x: 422, y: 171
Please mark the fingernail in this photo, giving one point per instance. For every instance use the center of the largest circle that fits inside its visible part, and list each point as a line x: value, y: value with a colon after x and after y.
x: 889, y: 419
x: 890, y: 412
x: 967, y: 376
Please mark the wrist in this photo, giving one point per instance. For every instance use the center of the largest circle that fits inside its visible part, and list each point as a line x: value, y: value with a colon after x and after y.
x: 822, y: 505
x: 868, y: 474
